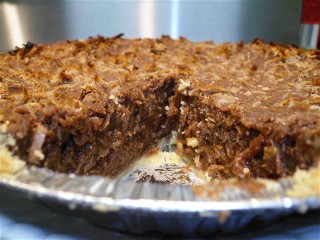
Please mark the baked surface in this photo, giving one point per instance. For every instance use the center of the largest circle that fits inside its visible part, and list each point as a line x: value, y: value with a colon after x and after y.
x: 93, y: 106
x: 89, y: 107
x: 253, y: 110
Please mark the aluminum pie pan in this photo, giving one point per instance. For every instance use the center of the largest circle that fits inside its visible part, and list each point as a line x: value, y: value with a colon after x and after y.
x: 145, y: 207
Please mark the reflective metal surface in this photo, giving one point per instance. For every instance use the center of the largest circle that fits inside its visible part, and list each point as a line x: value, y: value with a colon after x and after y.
x: 48, y: 224
x: 42, y: 21
x: 171, y: 209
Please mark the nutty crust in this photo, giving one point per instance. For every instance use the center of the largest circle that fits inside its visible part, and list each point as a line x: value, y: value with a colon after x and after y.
x: 94, y: 106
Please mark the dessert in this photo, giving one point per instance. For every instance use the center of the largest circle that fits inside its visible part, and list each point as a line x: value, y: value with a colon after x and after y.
x: 94, y: 106
x: 254, y: 110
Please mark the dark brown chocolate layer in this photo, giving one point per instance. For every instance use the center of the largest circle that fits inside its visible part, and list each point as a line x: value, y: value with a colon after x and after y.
x: 93, y: 106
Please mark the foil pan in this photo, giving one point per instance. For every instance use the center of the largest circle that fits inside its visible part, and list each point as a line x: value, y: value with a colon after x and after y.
x: 161, y: 193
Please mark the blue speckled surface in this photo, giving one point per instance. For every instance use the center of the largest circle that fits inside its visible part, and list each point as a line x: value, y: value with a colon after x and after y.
x: 23, y: 218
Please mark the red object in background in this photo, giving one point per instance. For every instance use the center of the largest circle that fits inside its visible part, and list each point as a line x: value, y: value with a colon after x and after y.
x: 318, y: 41
x: 311, y: 15
x: 311, y: 12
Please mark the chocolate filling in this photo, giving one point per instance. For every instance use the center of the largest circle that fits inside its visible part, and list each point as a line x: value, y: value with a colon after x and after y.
x: 94, y: 106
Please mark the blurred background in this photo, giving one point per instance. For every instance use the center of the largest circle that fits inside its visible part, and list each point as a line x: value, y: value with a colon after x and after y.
x: 43, y: 21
